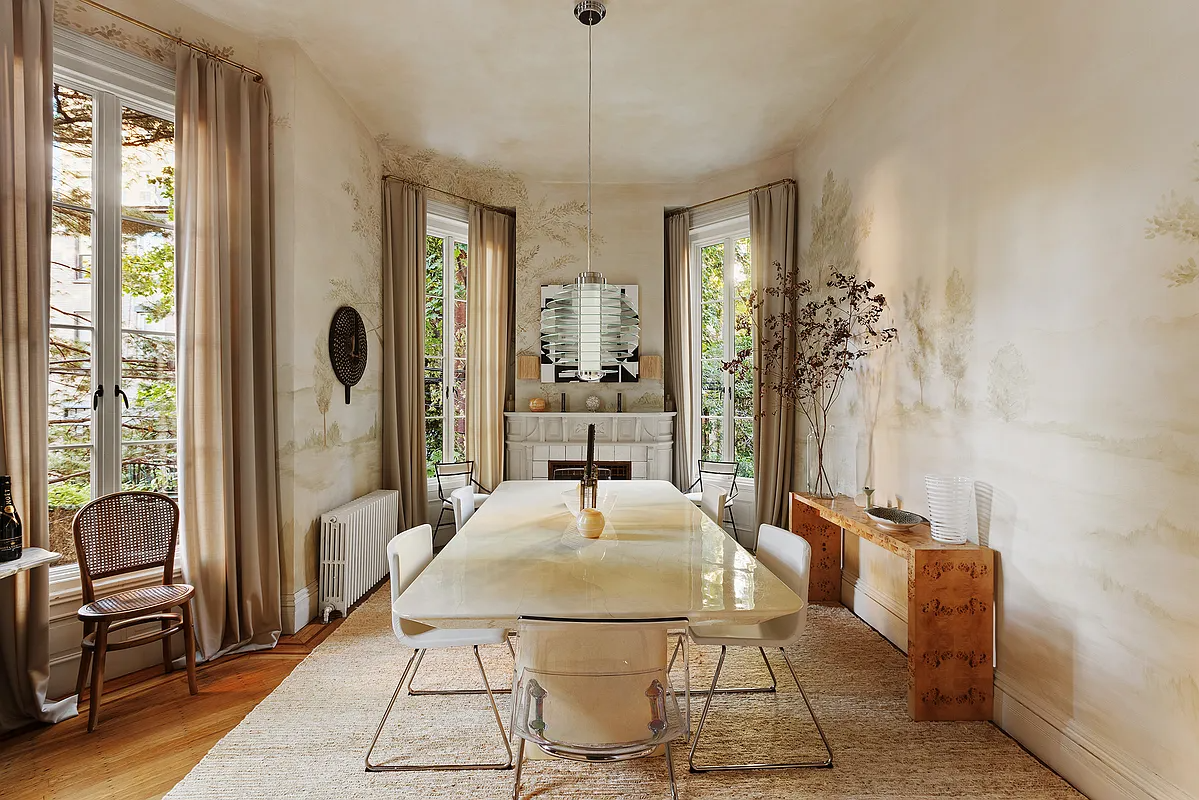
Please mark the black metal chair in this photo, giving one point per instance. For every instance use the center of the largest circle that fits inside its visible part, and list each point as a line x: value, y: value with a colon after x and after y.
x: 724, y: 474
x: 448, y: 476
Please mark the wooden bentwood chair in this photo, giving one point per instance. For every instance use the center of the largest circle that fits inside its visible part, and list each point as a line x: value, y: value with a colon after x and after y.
x: 119, y: 533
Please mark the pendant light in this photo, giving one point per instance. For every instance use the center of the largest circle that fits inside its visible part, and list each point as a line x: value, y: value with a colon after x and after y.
x: 589, y: 328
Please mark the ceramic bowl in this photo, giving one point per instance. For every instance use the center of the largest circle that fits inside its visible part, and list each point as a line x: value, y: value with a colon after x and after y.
x: 893, y: 519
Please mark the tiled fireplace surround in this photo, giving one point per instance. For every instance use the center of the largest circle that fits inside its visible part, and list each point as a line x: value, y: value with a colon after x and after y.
x: 645, y: 440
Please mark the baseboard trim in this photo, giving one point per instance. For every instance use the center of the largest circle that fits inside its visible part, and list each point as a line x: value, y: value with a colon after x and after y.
x: 299, y: 608
x: 1093, y: 766
x: 875, y: 608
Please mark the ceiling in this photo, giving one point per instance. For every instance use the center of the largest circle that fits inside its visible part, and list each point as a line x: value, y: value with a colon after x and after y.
x: 682, y: 88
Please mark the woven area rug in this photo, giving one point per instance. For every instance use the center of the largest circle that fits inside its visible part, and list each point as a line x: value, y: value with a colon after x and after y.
x: 308, y: 738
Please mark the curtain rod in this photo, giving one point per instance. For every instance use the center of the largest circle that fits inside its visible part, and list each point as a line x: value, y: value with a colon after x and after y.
x: 253, y: 72
x: 498, y: 209
x: 736, y: 194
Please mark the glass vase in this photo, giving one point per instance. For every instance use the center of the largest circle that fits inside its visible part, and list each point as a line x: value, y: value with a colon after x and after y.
x: 818, y: 473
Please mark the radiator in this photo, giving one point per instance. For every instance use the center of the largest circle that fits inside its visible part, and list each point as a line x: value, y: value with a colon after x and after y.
x: 354, y: 541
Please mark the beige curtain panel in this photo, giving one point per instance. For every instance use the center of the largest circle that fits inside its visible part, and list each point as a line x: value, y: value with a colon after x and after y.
x: 492, y: 265
x: 774, y: 231
x: 404, y: 349
x: 228, y: 485
x: 25, y: 156
x: 682, y: 332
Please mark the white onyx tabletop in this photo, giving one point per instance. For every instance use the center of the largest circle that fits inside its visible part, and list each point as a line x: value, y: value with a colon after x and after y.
x: 659, y: 557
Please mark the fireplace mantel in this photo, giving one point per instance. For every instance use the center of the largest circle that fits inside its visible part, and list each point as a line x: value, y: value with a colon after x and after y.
x: 645, y: 439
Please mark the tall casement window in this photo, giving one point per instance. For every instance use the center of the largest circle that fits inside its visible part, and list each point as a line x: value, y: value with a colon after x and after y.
x: 720, y: 252
x: 112, y: 406
x: 445, y: 335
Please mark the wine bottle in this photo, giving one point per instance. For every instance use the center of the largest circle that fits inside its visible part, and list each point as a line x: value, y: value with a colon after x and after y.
x: 10, y: 523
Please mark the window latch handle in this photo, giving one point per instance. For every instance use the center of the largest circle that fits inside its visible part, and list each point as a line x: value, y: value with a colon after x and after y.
x: 96, y: 395
x: 121, y: 394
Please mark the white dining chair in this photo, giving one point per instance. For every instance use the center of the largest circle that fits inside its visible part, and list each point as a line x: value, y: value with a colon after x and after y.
x: 452, y: 475
x: 463, y: 501
x: 407, y: 554
x: 595, y: 692
x: 789, y: 557
x: 712, y: 503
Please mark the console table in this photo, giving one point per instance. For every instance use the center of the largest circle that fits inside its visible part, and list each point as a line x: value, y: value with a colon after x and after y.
x: 951, y: 604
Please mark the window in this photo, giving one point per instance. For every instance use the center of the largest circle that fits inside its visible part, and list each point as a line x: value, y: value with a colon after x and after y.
x: 726, y: 415
x: 112, y: 409
x: 445, y: 336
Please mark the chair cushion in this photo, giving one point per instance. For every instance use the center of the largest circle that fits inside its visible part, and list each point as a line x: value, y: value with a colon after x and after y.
x: 695, y: 497
x: 779, y: 632
x: 417, y: 635
x: 136, y: 602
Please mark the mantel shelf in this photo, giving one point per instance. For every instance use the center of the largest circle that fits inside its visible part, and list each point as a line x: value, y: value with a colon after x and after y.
x: 589, y: 413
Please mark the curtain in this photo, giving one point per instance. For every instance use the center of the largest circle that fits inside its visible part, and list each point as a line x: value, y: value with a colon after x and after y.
x: 681, y: 321
x: 228, y: 485
x: 774, y: 232
x: 25, y: 156
x: 404, y: 349
x: 491, y: 255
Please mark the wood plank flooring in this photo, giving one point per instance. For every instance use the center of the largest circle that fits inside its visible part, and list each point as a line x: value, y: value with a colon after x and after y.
x: 151, y: 732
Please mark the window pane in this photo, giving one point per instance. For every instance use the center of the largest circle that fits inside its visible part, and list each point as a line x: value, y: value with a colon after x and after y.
x: 147, y: 166
x: 743, y: 444
x: 434, y: 408
x: 711, y: 273
x: 743, y: 390
x: 460, y: 270
x: 70, y: 486
x: 459, y: 329
x: 73, y: 134
x: 71, y: 268
x: 711, y: 435
x: 432, y: 444
x: 711, y: 388
x: 711, y: 334
x: 433, y: 252
x: 459, y: 410
x: 148, y: 379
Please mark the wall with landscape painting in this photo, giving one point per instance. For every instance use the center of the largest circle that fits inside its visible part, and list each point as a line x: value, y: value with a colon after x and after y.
x: 1027, y: 171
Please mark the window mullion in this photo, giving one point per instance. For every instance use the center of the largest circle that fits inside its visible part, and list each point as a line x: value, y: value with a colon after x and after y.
x: 729, y: 346
x: 106, y: 272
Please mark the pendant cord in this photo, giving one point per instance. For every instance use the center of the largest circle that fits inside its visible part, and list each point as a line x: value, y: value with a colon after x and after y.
x: 589, y: 27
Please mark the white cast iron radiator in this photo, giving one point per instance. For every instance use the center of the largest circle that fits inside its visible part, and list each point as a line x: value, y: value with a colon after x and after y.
x: 354, y: 541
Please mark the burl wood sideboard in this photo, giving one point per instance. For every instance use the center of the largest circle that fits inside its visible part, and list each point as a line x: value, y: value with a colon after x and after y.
x: 951, y: 604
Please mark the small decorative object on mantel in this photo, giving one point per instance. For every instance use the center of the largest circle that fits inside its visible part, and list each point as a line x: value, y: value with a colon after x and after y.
x: 651, y: 368
x: 619, y: 402
x: 528, y: 368
x: 10, y: 523
x: 563, y: 406
x: 593, y: 404
x: 347, y: 347
x: 537, y: 404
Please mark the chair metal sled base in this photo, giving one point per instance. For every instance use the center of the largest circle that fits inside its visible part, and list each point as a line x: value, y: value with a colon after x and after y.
x: 825, y: 764
x: 384, y: 767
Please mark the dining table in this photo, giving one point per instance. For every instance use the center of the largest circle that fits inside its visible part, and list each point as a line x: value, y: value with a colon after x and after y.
x: 659, y: 558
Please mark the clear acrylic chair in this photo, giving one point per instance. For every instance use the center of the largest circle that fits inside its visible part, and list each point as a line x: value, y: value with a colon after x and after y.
x: 594, y: 691
x: 408, y: 553
x: 789, y: 557
x: 723, y: 475
x: 455, y: 475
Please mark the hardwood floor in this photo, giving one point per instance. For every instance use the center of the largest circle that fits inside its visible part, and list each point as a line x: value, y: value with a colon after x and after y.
x: 151, y: 732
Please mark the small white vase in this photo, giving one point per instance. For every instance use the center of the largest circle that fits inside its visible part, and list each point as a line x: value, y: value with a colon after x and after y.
x: 593, y: 404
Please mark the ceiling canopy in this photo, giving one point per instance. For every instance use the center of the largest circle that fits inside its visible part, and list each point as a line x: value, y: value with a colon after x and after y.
x: 683, y: 88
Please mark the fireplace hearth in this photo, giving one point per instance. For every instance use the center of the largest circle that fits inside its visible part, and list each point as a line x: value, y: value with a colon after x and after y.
x: 620, y: 470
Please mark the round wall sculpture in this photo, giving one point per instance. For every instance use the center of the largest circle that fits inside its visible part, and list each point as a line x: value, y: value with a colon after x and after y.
x: 347, y: 347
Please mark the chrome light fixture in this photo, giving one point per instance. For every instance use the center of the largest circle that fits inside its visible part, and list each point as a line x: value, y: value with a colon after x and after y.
x: 589, y: 327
